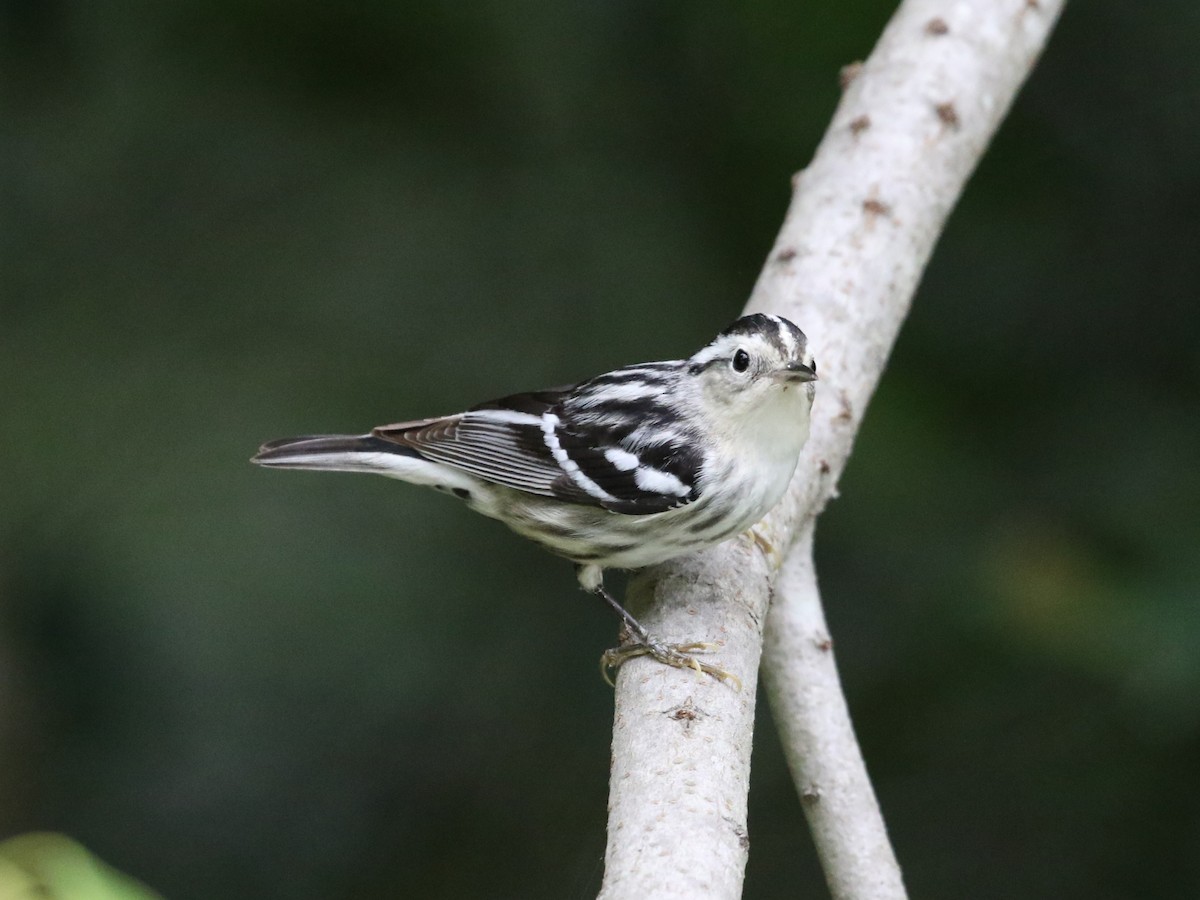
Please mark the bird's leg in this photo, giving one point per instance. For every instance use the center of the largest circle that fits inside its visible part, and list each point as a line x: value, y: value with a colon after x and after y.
x: 641, y: 643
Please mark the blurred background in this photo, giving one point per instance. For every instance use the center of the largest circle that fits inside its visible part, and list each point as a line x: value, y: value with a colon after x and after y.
x: 223, y: 222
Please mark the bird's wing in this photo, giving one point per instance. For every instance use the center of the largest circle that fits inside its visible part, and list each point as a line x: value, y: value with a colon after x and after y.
x: 500, y: 441
x: 624, y: 445
x: 567, y: 444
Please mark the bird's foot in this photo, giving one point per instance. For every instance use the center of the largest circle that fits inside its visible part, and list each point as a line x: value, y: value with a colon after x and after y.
x: 678, y: 656
x: 764, y: 544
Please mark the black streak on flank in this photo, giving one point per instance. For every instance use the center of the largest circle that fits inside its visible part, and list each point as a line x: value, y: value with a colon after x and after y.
x: 614, y: 549
x: 708, y: 523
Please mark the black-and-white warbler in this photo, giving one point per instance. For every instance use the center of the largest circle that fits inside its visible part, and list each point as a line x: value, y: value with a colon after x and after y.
x: 631, y: 468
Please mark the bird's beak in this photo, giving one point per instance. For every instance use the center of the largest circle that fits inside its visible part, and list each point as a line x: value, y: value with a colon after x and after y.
x: 797, y: 372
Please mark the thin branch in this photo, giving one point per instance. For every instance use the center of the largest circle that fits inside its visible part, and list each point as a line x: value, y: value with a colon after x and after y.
x: 823, y: 754
x: 913, y: 122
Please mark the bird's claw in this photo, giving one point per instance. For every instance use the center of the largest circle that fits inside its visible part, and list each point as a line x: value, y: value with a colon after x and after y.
x: 764, y: 544
x: 678, y: 656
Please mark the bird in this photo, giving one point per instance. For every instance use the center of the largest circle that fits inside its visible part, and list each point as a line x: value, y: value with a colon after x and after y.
x: 631, y: 468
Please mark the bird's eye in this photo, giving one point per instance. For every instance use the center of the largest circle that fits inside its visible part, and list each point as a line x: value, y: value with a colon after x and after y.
x: 741, y: 361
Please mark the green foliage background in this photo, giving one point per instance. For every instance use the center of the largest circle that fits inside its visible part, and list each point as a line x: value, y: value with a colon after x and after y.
x: 223, y: 222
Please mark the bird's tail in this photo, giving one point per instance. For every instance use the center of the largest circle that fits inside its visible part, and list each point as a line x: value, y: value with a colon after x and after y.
x: 335, y: 453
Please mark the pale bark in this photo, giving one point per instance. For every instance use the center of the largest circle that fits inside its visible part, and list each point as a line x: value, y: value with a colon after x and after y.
x: 914, y: 120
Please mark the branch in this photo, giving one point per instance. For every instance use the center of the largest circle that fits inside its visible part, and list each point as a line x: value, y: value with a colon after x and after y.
x: 865, y: 214
x: 827, y: 765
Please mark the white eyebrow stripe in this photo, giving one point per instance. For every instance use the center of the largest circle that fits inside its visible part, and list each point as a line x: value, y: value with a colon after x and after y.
x: 707, y: 355
x: 549, y: 423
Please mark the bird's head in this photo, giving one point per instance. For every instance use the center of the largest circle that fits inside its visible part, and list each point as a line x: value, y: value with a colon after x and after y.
x: 758, y: 362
